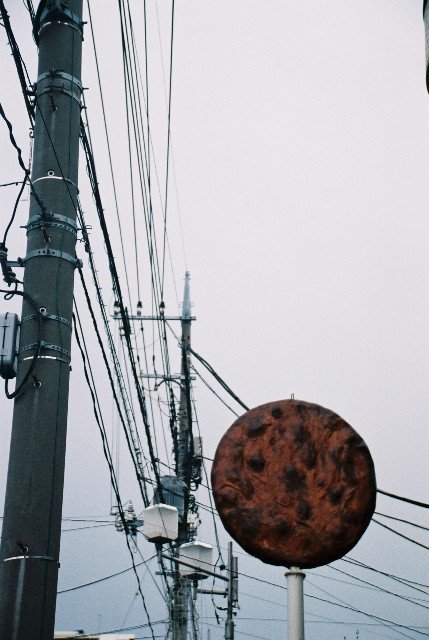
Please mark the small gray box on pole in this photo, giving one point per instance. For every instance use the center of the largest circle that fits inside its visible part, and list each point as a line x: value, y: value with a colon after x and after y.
x: 9, y: 334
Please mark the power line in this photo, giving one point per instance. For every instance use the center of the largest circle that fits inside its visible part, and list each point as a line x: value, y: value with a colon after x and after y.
x: 168, y: 147
x: 99, y: 419
x: 409, y: 583
x: 412, y: 524
x: 387, y: 591
x: 401, y: 535
x: 219, y: 379
x: 424, y: 505
x: 109, y: 577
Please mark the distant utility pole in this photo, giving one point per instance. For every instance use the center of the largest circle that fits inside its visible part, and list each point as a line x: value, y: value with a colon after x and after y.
x: 232, y: 593
x: 30, y: 543
x: 182, y: 585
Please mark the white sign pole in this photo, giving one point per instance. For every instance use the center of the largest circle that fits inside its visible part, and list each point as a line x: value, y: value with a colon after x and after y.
x: 295, y: 603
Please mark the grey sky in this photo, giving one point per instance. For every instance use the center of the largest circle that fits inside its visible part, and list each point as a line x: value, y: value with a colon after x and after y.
x: 301, y: 150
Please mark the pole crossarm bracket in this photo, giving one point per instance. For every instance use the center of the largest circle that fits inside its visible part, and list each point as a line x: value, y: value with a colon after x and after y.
x: 117, y: 316
x: 193, y: 566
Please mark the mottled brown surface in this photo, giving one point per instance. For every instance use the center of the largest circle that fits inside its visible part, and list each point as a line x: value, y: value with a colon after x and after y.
x: 294, y: 484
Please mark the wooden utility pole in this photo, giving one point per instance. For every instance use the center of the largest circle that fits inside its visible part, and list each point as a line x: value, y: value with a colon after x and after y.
x: 30, y: 546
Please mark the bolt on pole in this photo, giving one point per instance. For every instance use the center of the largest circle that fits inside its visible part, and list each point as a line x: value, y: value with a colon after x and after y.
x: 30, y: 546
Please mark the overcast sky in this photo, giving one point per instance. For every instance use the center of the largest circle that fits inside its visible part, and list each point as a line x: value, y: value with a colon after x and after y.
x: 300, y: 137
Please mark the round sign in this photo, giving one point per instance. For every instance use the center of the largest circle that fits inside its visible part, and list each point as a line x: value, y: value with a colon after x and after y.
x: 294, y: 484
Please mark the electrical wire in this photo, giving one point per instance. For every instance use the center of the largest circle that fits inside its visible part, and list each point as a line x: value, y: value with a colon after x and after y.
x: 19, y: 389
x: 20, y: 160
x: 218, y: 378
x: 19, y: 62
x: 12, y: 218
x: 409, y: 583
x: 168, y: 149
x: 212, y: 390
x: 424, y: 505
x: 109, y: 577
x: 119, y: 298
x: 387, y: 591
x: 384, y: 621
x: 99, y: 419
x: 128, y: 436
x: 412, y: 524
x: 401, y: 535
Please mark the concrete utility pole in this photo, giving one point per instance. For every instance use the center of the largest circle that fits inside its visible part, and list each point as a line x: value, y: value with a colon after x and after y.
x: 232, y: 594
x: 182, y: 585
x: 30, y: 543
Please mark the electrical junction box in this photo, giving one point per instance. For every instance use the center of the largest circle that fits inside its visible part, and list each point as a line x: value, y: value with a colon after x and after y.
x: 161, y: 523
x: 172, y: 493
x: 198, y: 446
x: 193, y: 522
x: 200, y: 555
x: 9, y: 334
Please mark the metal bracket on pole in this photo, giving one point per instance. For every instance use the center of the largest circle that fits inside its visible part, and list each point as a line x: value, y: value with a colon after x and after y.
x: 54, y: 14
x: 55, y: 73
x: 52, y: 176
x: 45, y: 345
x: 61, y: 89
x: 47, y: 316
x: 45, y: 558
x: 61, y: 222
x: 53, y: 253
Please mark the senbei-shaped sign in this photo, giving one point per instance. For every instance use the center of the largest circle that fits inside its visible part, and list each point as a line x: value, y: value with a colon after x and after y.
x: 294, y: 485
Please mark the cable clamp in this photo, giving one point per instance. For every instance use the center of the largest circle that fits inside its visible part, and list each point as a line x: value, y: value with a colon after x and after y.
x: 51, y: 176
x: 54, y: 73
x: 60, y: 10
x: 47, y: 316
x: 53, y: 253
x: 45, y: 558
x: 47, y: 358
x: 61, y: 222
x: 61, y: 89
x: 45, y: 345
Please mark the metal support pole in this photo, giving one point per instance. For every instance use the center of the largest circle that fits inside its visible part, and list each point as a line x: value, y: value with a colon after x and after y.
x: 295, y: 603
x: 30, y: 546
x: 182, y: 585
x: 229, y: 622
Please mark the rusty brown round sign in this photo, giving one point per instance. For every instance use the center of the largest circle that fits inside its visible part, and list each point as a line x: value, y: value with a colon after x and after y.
x: 294, y: 484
